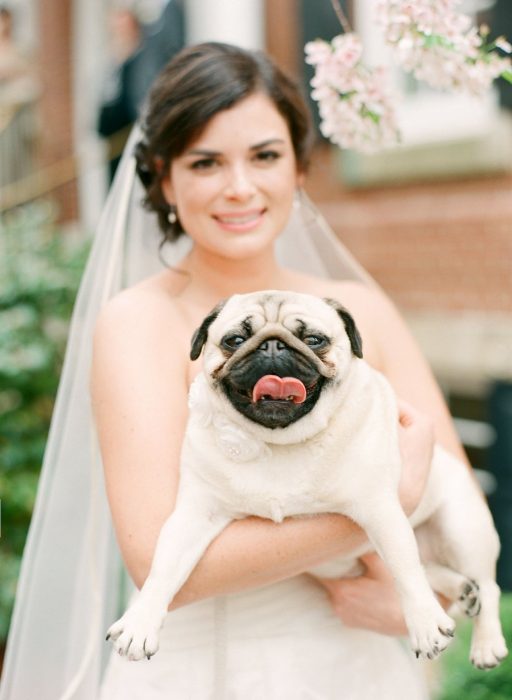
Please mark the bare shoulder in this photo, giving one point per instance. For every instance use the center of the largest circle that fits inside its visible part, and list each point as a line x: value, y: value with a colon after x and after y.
x: 357, y: 297
x: 146, y: 307
x: 371, y: 309
x: 144, y: 321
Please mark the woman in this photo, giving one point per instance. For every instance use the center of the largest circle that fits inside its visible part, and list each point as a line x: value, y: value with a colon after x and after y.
x: 223, y: 155
x: 227, y: 176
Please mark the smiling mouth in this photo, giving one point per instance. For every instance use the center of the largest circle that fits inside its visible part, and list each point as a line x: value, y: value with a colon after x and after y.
x: 265, y: 391
x: 239, y: 221
x: 275, y: 405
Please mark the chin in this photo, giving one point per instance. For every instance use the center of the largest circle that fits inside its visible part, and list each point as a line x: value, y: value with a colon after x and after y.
x: 241, y: 246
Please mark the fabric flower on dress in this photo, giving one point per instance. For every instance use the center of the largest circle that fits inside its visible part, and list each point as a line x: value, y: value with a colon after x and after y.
x: 355, y: 108
x: 236, y: 443
x: 439, y: 45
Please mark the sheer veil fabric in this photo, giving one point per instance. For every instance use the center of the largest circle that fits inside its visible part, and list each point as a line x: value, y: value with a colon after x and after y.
x: 71, y: 583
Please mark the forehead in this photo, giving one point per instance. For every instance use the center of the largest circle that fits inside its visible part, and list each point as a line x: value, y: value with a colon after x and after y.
x: 248, y: 122
x: 294, y: 312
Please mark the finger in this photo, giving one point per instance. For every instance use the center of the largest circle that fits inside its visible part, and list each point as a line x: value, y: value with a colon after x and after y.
x: 328, y: 583
x: 406, y: 413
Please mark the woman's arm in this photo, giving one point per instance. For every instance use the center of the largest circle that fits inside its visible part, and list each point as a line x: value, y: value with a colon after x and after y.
x: 370, y: 600
x: 403, y: 363
x: 140, y: 398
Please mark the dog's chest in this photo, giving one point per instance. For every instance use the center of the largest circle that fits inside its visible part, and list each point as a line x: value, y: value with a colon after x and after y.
x: 276, y: 482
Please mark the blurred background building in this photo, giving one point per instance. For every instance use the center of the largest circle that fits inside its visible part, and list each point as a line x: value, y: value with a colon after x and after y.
x: 431, y: 221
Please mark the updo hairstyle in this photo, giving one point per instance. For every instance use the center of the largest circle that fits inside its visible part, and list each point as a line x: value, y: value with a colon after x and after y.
x: 196, y: 84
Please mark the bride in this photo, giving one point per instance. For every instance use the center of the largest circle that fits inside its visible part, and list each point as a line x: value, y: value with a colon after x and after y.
x: 222, y: 154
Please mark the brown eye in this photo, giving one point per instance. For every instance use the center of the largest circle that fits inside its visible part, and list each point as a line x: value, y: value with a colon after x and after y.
x: 232, y: 342
x: 203, y: 164
x: 315, y: 342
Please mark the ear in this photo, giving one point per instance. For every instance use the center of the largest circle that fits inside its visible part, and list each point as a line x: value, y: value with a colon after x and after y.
x: 356, y: 342
x: 201, y: 334
x: 168, y: 190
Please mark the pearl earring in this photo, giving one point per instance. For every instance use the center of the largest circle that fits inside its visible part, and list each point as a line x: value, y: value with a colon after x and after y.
x: 171, y: 216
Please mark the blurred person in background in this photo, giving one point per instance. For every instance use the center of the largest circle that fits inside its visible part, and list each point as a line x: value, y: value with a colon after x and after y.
x: 138, y: 52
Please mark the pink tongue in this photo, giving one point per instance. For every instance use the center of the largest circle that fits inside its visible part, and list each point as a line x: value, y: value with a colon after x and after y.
x: 279, y: 388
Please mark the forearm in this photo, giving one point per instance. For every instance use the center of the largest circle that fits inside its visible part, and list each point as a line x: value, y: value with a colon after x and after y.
x: 253, y: 552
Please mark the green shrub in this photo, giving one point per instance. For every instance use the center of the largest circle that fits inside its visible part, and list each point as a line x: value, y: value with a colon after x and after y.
x: 459, y: 679
x: 40, y: 269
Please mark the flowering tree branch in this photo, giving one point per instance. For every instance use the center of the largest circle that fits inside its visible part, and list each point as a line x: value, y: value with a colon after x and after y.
x: 440, y: 47
x: 341, y: 16
x: 429, y: 38
x: 355, y: 110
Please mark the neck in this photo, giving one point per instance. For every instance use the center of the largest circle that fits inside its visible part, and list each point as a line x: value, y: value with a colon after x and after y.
x: 225, y: 276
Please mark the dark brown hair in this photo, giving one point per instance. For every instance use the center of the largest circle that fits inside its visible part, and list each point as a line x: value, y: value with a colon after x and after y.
x: 199, y: 82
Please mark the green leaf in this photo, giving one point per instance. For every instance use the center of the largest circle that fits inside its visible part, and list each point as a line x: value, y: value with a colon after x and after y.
x: 40, y: 270
x: 370, y: 114
x: 432, y: 41
x: 507, y: 75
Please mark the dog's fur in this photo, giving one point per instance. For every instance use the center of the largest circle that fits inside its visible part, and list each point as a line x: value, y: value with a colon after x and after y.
x: 333, y: 450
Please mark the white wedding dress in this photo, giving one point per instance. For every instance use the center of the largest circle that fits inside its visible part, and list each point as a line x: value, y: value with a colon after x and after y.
x: 280, y: 642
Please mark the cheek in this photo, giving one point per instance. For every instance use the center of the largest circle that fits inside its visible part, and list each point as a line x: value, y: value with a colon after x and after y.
x: 341, y: 356
x: 213, y: 359
x: 192, y: 197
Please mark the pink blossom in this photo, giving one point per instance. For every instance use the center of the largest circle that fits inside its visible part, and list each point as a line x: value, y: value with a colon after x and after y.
x: 438, y: 45
x: 355, y: 110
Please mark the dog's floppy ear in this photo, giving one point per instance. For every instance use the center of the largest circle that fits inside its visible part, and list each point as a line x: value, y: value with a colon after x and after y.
x: 200, y: 335
x: 356, y: 342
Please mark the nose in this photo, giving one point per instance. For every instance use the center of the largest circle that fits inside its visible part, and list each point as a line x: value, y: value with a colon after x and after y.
x: 240, y: 185
x: 272, y: 346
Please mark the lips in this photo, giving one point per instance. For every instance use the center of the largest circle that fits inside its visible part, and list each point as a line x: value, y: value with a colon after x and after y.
x: 240, y: 220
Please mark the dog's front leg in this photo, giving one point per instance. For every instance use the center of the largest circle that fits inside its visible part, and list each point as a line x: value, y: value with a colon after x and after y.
x: 430, y: 628
x: 196, y: 520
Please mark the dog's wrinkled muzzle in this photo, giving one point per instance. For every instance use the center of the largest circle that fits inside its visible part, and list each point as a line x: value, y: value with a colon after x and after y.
x: 271, y: 332
x: 273, y: 382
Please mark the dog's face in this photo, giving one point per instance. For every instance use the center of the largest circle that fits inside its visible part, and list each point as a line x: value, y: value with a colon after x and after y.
x: 273, y: 354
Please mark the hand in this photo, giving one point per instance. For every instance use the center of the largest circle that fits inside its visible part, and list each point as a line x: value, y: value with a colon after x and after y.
x: 416, y: 440
x: 369, y: 601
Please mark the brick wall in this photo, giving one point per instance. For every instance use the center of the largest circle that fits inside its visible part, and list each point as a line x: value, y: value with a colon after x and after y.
x: 55, y: 70
x: 440, y: 246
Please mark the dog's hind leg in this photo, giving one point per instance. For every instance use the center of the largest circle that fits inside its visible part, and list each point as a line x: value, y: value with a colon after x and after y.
x: 479, y: 601
x: 488, y: 647
x: 454, y: 586
x: 461, y: 536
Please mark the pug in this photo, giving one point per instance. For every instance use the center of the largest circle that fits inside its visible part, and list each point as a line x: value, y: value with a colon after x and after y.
x: 287, y: 419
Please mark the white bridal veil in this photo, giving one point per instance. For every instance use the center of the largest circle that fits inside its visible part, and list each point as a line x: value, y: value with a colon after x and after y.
x: 71, y: 582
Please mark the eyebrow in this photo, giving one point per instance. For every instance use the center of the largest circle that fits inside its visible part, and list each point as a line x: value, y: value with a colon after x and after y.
x: 210, y: 153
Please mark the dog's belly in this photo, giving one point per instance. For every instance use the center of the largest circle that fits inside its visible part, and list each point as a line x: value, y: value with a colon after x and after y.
x: 243, y: 499
x: 316, y: 476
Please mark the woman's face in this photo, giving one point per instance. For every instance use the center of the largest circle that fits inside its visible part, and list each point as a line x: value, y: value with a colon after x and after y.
x: 233, y: 187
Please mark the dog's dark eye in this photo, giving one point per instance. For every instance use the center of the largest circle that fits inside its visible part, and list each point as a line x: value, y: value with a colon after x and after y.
x: 315, y: 342
x: 232, y: 342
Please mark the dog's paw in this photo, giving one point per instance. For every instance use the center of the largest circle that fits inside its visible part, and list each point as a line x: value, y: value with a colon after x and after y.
x: 431, y: 633
x: 488, y: 653
x: 469, y: 598
x: 135, y: 635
